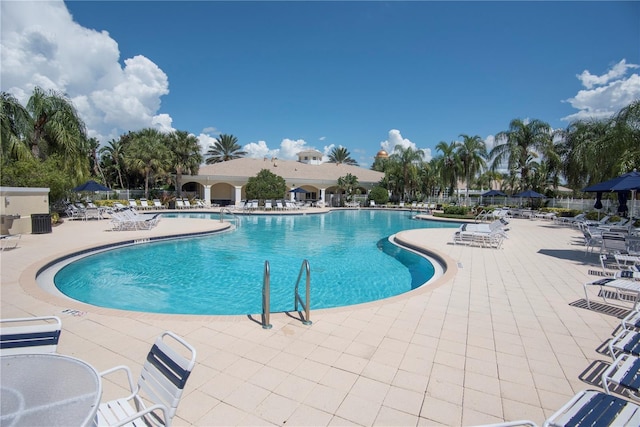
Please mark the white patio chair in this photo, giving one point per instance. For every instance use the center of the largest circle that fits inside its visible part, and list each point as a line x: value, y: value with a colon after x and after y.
x: 155, y: 398
x: 157, y: 204
x: 29, y: 335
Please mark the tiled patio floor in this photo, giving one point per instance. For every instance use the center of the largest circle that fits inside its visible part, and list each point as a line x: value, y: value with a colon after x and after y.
x: 504, y: 335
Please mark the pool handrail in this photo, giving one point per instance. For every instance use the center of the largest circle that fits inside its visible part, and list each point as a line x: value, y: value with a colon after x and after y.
x: 297, y: 298
x: 266, y: 297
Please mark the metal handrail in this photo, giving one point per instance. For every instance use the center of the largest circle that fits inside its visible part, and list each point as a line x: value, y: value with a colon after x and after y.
x: 233, y: 216
x: 297, y: 298
x: 266, y: 297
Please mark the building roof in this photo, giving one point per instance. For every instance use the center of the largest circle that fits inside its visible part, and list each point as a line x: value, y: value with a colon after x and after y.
x: 291, y: 170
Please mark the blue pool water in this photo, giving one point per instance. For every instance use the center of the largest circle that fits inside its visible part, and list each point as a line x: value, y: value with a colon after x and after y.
x: 350, y: 258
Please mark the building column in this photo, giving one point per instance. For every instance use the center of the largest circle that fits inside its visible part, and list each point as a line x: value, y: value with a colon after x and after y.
x: 238, y: 195
x: 322, y: 194
x: 207, y: 195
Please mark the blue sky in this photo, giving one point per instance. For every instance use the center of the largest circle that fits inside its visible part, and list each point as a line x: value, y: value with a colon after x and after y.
x: 285, y: 76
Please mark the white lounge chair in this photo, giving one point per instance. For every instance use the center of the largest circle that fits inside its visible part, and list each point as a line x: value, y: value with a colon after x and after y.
x: 29, y: 335
x: 9, y: 241
x: 132, y: 203
x: 155, y: 398
x: 157, y: 204
x: 187, y: 204
x: 144, y: 204
x: 179, y: 204
x: 591, y: 408
x: 623, y: 372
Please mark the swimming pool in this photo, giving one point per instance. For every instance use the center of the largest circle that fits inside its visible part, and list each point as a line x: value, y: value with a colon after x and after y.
x: 350, y: 258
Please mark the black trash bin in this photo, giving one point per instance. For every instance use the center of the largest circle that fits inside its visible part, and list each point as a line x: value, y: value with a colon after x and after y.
x: 172, y: 204
x: 40, y: 223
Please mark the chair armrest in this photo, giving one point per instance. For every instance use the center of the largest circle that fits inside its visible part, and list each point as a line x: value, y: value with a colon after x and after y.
x: 132, y: 387
x: 149, y: 410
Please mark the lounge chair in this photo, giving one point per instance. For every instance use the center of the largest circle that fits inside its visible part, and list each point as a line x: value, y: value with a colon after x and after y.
x: 626, y: 342
x: 594, y: 408
x: 154, y: 400
x: 29, y: 335
x: 157, y: 204
x: 614, y: 243
x: 268, y: 205
x: 623, y: 372
x: 179, y: 204
x: 632, y: 320
x: 187, y: 204
x: 133, y: 204
x: 9, y: 241
x: 144, y: 204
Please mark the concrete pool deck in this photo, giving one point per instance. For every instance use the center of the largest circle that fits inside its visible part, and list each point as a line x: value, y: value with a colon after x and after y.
x: 503, y: 335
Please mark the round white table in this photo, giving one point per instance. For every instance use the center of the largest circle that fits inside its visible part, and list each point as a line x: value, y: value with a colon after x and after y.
x: 48, y: 390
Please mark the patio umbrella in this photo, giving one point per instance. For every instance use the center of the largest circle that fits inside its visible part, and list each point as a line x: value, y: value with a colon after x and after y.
x: 492, y: 194
x: 298, y: 190
x: 625, y: 182
x: 90, y: 186
x: 621, y: 184
x: 530, y: 194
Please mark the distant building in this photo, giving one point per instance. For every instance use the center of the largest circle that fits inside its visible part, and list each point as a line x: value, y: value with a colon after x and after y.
x: 310, y: 157
x: 224, y: 183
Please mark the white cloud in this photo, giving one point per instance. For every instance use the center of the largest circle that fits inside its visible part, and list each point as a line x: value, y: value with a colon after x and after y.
x: 395, y: 138
x: 288, y: 150
x: 617, y: 71
x: 605, y: 95
x: 260, y: 149
x: 42, y: 46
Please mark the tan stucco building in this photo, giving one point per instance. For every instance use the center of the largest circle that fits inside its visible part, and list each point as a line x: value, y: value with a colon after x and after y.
x: 224, y: 182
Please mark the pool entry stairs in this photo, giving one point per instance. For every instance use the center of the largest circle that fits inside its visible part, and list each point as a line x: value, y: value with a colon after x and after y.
x: 304, y: 303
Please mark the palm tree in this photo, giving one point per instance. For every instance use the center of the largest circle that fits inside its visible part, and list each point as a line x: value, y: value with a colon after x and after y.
x: 148, y: 154
x: 340, y: 155
x: 408, y: 161
x: 185, y: 155
x: 51, y: 125
x: 114, y: 150
x: 225, y: 148
x: 471, y: 151
x: 15, y: 121
x: 348, y: 184
x: 58, y: 128
x: 520, y: 144
x: 449, y: 165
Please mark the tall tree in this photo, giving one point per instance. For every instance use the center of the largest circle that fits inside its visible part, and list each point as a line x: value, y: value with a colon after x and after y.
x: 51, y: 126
x: 341, y: 155
x: 409, y: 162
x: 114, y: 151
x: 449, y: 165
x: 185, y: 155
x: 518, y: 146
x: 15, y: 123
x: 148, y: 154
x: 471, y: 151
x: 348, y: 184
x: 225, y: 148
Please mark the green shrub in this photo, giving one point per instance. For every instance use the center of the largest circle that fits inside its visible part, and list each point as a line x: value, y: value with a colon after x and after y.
x: 380, y: 195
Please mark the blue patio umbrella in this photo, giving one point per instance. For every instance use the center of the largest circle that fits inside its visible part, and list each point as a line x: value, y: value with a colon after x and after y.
x: 298, y: 190
x: 492, y: 193
x: 621, y: 184
x: 624, y: 182
x: 529, y: 194
x: 90, y: 186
